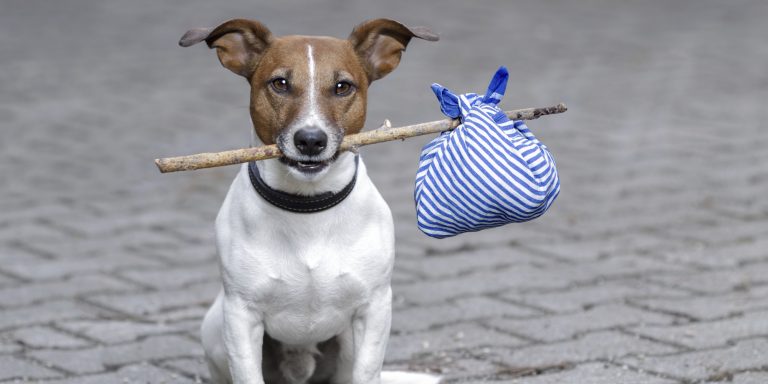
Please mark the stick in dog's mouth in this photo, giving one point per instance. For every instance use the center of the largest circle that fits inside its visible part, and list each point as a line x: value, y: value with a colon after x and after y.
x: 236, y: 156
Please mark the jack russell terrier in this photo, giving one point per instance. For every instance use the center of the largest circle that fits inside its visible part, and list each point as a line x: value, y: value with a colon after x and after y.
x: 306, y: 242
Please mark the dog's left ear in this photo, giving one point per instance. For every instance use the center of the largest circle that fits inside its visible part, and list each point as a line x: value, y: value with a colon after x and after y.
x: 380, y: 42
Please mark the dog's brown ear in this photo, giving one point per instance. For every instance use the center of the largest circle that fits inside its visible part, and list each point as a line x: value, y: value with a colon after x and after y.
x: 380, y: 42
x: 239, y: 43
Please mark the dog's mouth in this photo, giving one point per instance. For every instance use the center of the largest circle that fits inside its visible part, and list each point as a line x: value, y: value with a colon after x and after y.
x: 308, y: 166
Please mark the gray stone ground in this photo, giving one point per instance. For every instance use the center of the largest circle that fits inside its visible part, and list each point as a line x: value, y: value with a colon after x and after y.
x: 652, y: 267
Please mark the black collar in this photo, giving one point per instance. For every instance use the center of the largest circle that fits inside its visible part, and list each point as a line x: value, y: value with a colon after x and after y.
x: 298, y: 203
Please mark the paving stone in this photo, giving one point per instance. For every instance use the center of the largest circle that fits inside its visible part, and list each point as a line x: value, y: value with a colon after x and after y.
x: 45, y: 337
x: 145, y: 303
x: 132, y: 374
x: 452, y: 366
x: 8, y: 345
x: 181, y: 315
x: 179, y: 253
x: 600, y: 248
x: 16, y: 368
x: 701, y: 365
x: 73, y: 247
x: 457, y: 368
x: 750, y: 378
x: 709, y: 334
x: 405, y: 250
x: 564, y: 326
x: 142, y: 240
x: 116, y: 331
x: 475, y: 241
x: 525, y: 277
x: 718, y: 280
x: 605, y: 345
x: 733, y: 232
x: 713, y: 306
x: 31, y: 213
x: 614, y: 267
x: 47, y: 312
x: 30, y: 232
x: 751, y: 209
x: 594, y: 373
x: 190, y: 326
x: 7, y: 281
x: 73, y: 287
x: 197, y: 231
x: 747, y: 251
x: 12, y: 254
x: 424, y: 317
x: 196, y: 368
x: 400, y: 276
x: 644, y: 221
x: 174, y: 277
x: 585, y: 297
x: 99, y: 226
x: 446, y: 265
x: 50, y: 269
x: 99, y: 359
x: 474, y: 284
x: 460, y: 336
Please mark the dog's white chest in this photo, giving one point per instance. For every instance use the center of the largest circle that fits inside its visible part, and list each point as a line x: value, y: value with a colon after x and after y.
x: 313, y: 303
x: 311, y: 290
x: 306, y: 275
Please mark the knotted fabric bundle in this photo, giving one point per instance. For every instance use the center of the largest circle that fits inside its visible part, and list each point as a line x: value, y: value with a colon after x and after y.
x: 488, y: 171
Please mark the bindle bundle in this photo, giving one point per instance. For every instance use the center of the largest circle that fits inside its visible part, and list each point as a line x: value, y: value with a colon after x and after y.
x: 351, y: 142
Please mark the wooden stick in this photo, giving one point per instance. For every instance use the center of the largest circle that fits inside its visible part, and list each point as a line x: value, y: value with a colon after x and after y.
x: 236, y: 156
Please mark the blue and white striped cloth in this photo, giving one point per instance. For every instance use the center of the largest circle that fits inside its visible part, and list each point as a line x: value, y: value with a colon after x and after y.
x: 487, y: 172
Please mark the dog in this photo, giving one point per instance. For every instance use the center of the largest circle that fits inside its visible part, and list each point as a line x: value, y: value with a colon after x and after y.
x: 305, y: 241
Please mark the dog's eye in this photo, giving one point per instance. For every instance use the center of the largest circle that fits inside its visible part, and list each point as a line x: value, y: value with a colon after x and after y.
x: 280, y: 85
x: 343, y: 88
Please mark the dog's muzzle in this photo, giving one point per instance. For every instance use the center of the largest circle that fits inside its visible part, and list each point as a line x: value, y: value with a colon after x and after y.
x: 310, y: 149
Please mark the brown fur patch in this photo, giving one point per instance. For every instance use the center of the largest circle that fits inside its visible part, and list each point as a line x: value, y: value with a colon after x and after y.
x: 271, y: 112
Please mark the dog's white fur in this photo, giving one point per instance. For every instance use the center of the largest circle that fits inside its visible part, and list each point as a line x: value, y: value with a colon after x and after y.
x: 304, y: 278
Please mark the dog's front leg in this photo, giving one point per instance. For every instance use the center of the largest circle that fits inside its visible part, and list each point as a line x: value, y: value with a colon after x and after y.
x: 371, y: 333
x: 243, y: 338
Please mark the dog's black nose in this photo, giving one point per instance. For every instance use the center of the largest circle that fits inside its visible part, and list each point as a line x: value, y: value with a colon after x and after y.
x: 310, y: 142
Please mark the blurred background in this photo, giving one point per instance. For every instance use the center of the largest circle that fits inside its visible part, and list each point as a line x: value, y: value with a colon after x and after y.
x: 649, y: 268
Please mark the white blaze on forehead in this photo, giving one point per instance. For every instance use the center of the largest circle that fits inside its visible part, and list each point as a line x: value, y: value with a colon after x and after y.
x: 313, y: 115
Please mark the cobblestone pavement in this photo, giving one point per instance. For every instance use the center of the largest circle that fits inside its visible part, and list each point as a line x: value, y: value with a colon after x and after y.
x: 652, y: 267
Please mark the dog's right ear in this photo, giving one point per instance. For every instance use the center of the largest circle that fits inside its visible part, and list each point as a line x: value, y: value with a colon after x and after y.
x: 239, y: 43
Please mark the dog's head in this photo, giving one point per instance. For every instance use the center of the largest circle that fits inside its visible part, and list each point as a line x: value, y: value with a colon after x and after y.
x: 307, y: 92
